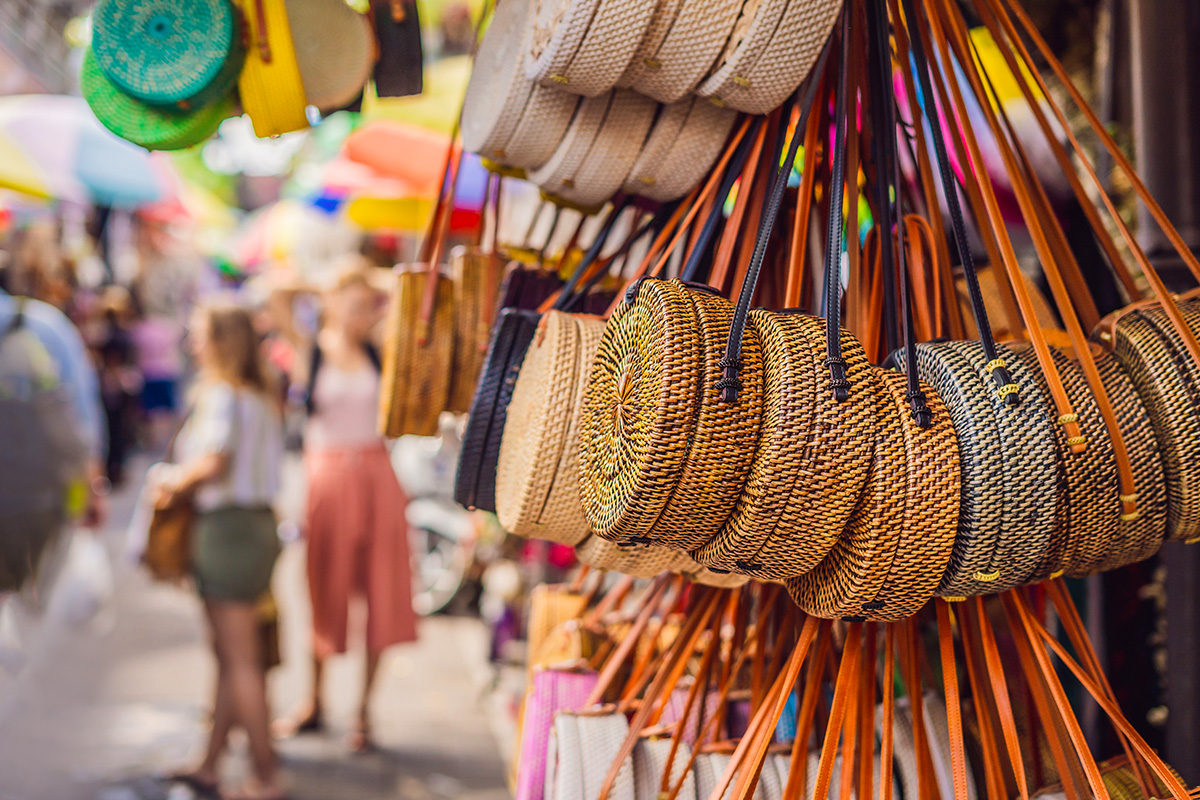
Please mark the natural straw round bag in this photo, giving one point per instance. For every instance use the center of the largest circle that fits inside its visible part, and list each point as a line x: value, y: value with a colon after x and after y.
x: 756, y: 26
x: 584, y: 46
x: 335, y: 51
x: 1009, y: 509
x: 1168, y: 382
x: 681, y: 148
x: 812, y: 458
x: 640, y: 561
x: 270, y: 86
x: 674, y: 66
x: 537, y: 475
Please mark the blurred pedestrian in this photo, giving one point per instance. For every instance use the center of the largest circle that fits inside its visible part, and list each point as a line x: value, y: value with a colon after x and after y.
x: 158, y: 350
x: 120, y: 379
x: 355, y: 518
x: 228, y: 460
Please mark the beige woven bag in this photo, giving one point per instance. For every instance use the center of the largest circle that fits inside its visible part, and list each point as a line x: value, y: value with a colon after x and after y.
x: 537, y: 477
x: 686, y: 140
x: 684, y: 56
x: 584, y: 46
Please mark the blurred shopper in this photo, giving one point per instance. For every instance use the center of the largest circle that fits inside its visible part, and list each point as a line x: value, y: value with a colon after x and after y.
x: 228, y: 460
x: 355, y: 519
x: 157, y: 343
x: 120, y: 380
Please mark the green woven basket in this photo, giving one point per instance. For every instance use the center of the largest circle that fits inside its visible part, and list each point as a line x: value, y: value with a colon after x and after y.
x: 151, y: 127
x: 185, y: 53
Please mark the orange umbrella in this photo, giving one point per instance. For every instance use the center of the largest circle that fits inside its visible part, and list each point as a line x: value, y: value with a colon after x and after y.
x: 399, y: 150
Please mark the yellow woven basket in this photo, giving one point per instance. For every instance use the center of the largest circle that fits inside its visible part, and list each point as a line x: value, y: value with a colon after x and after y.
x: 270, y: 86
x: 416, y: 357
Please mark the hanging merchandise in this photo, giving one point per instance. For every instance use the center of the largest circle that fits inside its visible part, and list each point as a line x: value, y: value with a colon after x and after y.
x: 334, y: 48
x: 584, y: 46
x: 270, y: 86
x: 399, y: 65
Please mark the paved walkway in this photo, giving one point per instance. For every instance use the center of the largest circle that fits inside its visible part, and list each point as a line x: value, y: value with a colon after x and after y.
x: 97, y: 713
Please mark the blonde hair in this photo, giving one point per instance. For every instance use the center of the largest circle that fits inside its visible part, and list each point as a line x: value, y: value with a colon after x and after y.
x: 353, y: 270
x: 234, y: 343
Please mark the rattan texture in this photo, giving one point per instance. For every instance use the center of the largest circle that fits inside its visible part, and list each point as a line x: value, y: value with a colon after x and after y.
x: 415, y: 377
x: 471, y: 274
x: 639, y: 406
x: 638, y: 560
x: 693, y: 151
x: 659, y: 141
x: 588, y: 744
x: 763, y: 85
x: 556, y: 28
x: 756, y: 26
x: 1008, y: 509
x: 1168, y: 382
x: 611, y: 41
x: 812, y: 458
x: 661, y: 23
x: 537, y: 475
x: 335, y: 50
x: 650, y: 762
x: 498, y: 89
x: 1137, y: 539
x: 853, y: 573
x: 544, y: 122
x: 1089, y: 510
x: 708, y: 769
x: 572, y: 151
x: 700, y: 31
x: 613, y: 152
x: 932, y: 485
x: 550, y: 605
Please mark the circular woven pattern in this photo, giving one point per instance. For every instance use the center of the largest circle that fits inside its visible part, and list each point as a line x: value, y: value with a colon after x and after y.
x: 612, y: 39
x: 689, y: 157
x: 855, y: 570
x: 415, y: 380
x: 613, y: 151
x: 166, y: 52
x: 639, y: 560
x: 1008, y: 508
x: 658, y: 144
x: 932, y: 485
x: 334, y: 50
x: 660, y: 25
x: 812, y: 458
x: 544, y: 122
x: 1168, y: 382
x: 685, y: 56
x: 537, y: 476
x: 498, y: 89
x: 1089, y: 510
x: 556, y: 28
x: 148, y: 126
x: 559, y: 171
x: 1136, y: 539
x: 762, y: 85
x: 638, y: 410
x: 756, y: 26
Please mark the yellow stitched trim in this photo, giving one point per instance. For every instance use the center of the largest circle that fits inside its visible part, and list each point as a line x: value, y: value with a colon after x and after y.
x: 1128, y: 498
x: 559, y: 78
x: 716, y: 101
x: 649, y: 180
x: 740, y: 81
x: 994, y: 365
x: 1009, y: 388
x: 954, y: 598
x: 1074, y: 440
x: 1193, y: 540
x: 1133, y: 516
x: 568, y: 182
x: 1058, y: 573
x: 1067, y: 419
x: 987, y: 577
x: 652, y: 63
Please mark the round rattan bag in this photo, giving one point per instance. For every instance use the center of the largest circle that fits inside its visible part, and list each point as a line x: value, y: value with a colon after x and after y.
x: 1168, y: 382
x: 1009, y: 509
x: 537, y: 476
x: 812, y: 457
x: 639, y: 560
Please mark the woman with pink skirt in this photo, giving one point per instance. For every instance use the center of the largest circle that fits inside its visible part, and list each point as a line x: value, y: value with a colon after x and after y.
x: 355, y: 524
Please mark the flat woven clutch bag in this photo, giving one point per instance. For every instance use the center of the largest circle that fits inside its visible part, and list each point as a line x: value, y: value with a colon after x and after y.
x: 811, y: 459
x: 537, y: 475
x: 1168, y: 382
x: 474, y: 275
x: 1009, y: 510
x: 581, y: 749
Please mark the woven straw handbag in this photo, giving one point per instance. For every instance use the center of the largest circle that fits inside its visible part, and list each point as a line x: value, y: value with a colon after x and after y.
x: 642, y: 561
x: 507, y: 117
x: 1156, y: 360
x: 475, y: 276
x: 670, y: 67
x: 270, y: 87
x: 581, y: 748
x: 652, y: 759
x: 550, y: 605
x: 335, y: 51
x: 149, y: 126
x: 399, y: 66
x: 550, y: 692
x: 584, y: 46
x: 168, y: 53
x: 417, y: 354
x: 537, y: 481
x: 681, y: 148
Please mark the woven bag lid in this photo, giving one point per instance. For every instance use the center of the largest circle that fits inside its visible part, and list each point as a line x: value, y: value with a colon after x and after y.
x: 754, y: 29
x: 686, y: 54
x: 761, y: 85
x: 334, y: 50
x: 169, y: 52
x: 270, y: 86
x: 151, y: 127
x: 680, y: 150
x: 498, y: 89
x: 584, y: 46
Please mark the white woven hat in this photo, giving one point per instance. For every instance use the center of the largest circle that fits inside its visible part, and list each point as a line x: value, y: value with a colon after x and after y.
x: 335, y: 50
x: 696, y: 36
x: 752, y: 33
x: 683, y: 145
x: 584, y: 46
x: 763, y: 85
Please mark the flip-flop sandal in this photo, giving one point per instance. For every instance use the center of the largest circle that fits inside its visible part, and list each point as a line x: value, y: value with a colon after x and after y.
x: 287, y: 728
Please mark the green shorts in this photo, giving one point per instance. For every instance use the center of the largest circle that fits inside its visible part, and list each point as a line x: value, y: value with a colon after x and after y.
x: 233, y: 553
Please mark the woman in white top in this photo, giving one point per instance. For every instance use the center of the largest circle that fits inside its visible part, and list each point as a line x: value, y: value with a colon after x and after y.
x: 228, y: 456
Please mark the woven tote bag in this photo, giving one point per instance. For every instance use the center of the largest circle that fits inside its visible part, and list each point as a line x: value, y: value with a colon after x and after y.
x: 681, y: 148
x: 549, y: 607
x: 537, y: 475
x: 417, y: 355
x: 580, y: 751
x: 652, y: 760
x: 1009, y: 510
x: 185, y: 53
x: 681, y: 60
x: 584, y: 46
x: 270, y: 86
x: 474, y: 275
x: 1168, y: 382
x: 550, y: 692
x: 400, y: 64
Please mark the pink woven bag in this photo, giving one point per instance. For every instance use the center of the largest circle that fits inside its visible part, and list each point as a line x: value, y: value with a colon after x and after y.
x: 553, y: 690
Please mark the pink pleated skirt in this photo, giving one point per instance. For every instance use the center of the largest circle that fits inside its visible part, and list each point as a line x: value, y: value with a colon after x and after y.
x: 357, y: 546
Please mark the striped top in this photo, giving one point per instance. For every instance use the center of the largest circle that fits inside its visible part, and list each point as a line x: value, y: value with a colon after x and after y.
x: 245, y: 425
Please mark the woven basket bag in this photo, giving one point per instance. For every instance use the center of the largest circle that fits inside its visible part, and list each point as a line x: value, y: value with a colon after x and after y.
x: 685, y: 55
x: 474, y: 276
x: 415, y: 382
x: 270, y: 86
x: 1009, y: 509
x: 652, y: 759
x: 681, y: 148
x: 581, y: 749
x: 537, y: 475
x: 932, y: 486
x: 812, y: 457
x: 1168, y: 382
x: 335, y: 50
x: 584, y: 46
x: 640, y: 561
